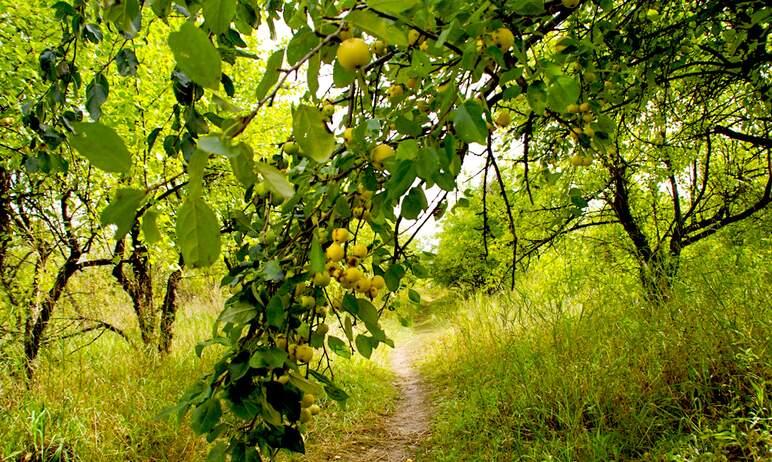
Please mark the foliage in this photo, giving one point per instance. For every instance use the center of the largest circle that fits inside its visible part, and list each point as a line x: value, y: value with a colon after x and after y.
x: 575, y: 369
x: 579, y: 83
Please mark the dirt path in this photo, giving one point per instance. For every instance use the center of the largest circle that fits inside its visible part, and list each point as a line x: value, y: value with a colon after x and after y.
x: 396, y: 437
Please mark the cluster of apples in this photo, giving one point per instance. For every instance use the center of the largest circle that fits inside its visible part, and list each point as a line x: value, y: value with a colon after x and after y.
x: 343, y: 265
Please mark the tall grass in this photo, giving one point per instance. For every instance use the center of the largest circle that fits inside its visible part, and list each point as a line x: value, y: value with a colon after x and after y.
x: 100, y: 401
x: 574, y: 366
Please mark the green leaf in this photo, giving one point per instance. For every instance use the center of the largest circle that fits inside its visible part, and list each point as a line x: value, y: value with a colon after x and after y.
x: 218, y: 14
x: 273, y: 357
x: 392, y: 6
x: 562, y: 91
x: 217, y: 453
x: 377, y: 26
x: 122, y: 210
x: 364, y: 346
x: 311, y: 133
x: 196, y: 56
x: 537, y: 97
x: 126, y: 15
x: 150, y: 227
x: 239, y: 311
x: 215, y: 144
x: 413, y: 204
x: 414, y: 296
x: 272, y: 271
x: 96, y: 94
x: 198, y: 233
x: 302, y: 42
x: 274, y: 312
x: 317, y: 256
x: 276, y: 180
x: 126, y: 61
x: 527, y: 7
x: 102, y: 146
x: 271, y: 75
x: 305, y: 385
x: 393, y: 276
x: 206, y: 416
x: 243, y: 166
x: 338, y: 347
x: 367, y: 312
x: 469, y: 123
x: 161, y: 8
x: 314, y: 65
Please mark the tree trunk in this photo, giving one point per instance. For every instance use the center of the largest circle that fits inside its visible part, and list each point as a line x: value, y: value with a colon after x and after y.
x: 169, y: 312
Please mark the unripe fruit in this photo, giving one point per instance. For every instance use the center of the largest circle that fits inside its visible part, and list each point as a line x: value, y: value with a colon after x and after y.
x: 577, y: 160
x: 504, y: 38
x: 307, y: 301
x: 359, y: 212
x: 373, y: 292
x: 305, y: 415
x: 334, y: 252
x: 308, y: 400
x: 328, y: 110
x: 321, y: 279
x: 283, y: 379
x: 345, y: 34
x: 340, y: 235
x: 290, y: 147
x: 352, y: 261
x: 378, y: 282
x: 396, y: 92
x: 380, y: 153
x: 353, y: 53
x: 358, y: 250
x: 587, y: 118
x: 379, y: 48
x: 314, y: 409
x: 362, y: 285
x: 348, y: 135
x: 331, y: 267
x: 322, y: 329
x: 588, y: 130
x: 322, y: 311
x: 584, y: 107
x: 424, y: 46
x: 304, y: 353
x: 413, y: 36
x: 281, y: 343
x: 570, y: 3
x: 503, y: 119
x: 572, y: 108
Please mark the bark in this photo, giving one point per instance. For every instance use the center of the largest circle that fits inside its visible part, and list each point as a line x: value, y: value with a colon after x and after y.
x: 169, y: 312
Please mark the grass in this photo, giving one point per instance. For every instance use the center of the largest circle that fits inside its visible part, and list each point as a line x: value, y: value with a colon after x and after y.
x: 578, y: 368
x: 102, y: 402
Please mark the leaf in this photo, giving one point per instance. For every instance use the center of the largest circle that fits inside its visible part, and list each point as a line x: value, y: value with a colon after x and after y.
x: 217, y: 145
x: 303, y: 42
x: 196, y: 56
x: 311, y: 133
x: 96, y: 94
x: 392, y: 6
x: 206, y: 416
x: 122, y: 210
x: 527, y: 7
x: 239, y: 311
x: 305, y: 385
x: 393, y: 276
x: 217, y: 453
x: 414, y: 296
x: 317, y: 256
x: 413, y: 204
x: 469, y: 123
x: 367, y: 312
x: 379, y: 27
x: 314, y: 65
x: 273, y: 357
x: 562, y: 91
x: 243, y: 166
x: 537, y: 97
x: 102, y: 146
x: 274, y: 312
x: 161, y: 8
x: 198, y: 233
x: 126, y: 62
x: 271, y: 75
x: 126, y: 15
x: 218, y: 14
x: 338, y: 347
x: 150, y: 227
x: 272, y: 271
x: 276, y: 180
x: 364, y: 346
